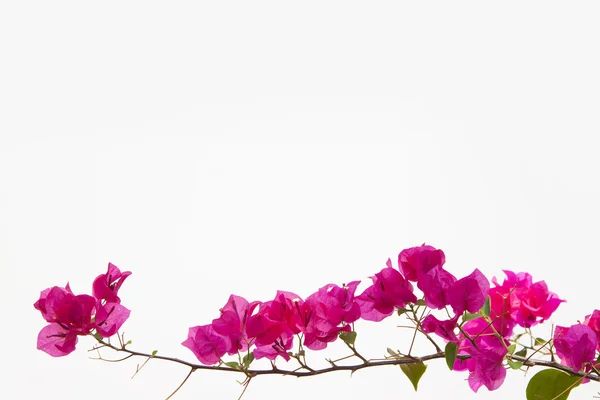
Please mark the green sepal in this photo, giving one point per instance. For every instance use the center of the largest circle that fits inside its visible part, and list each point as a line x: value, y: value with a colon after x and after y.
x: 522, y: 352
x: 467, y: 316
x: 233, y: 364
x: 486, y: 309
x: 514, y: 364
x: 348, y: 337
x: 247, y: 360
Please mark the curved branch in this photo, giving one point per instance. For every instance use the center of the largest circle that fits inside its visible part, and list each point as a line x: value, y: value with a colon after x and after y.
x: 352, y: 368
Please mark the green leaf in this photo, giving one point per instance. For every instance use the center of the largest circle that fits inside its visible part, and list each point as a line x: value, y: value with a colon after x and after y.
x: 539, y: 341
x: 402, y: 311
x: 451, y: 351
x: 421, y: 302
x: 414, y: 372
x: 247, y: 360
x: 515, y: 364
x: 522, y: 352
x: 154, y: 352
x: 548, y: 384
x: 392, y: 353
x: 512, y: 348
x: 233, y: 364
x: 348, y: 337
x: 485, y: 310
x: 468, y: 316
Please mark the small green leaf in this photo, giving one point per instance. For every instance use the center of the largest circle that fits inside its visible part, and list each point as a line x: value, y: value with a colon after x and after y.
x: 98, y: 337
x: 551, y: 384
x: 515, y: 364
x: 451, y: 351
x: 522, y: 352
x: 539, y: 341
x: 233, y: 364
x: 486, y: 309
x: 402, y: 311
x: 247, y: 360
x: 420, y: 302
x: 468, y: 316
x: 154, y: 352
x: 392, y: 353
x: 512, y: 348
x: 128, y: 343
x: 414, y: 372
x: 348, y: 337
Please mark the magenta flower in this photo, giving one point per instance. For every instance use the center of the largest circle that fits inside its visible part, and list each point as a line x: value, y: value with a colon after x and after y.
x: 469, y: 293
x: 575, y: 345
x: 388, y: 291
x: 417, y: 261
x: 274, y: 318
x: 279, y: 348
x: 324, y: 312
x: 519, y: 301
x: 69, y: 316
x: 207, y: 345
x: 336, y: 304
x: 232, y: 322
x: 435, y: 285
x: 485, y: 365
x: 73, y: 315
x: 487, y: 369
x: 106, y: 286
x: 593, y: 321
x: 444, y: 329
x: 275, y: 324
x: 109, y: 318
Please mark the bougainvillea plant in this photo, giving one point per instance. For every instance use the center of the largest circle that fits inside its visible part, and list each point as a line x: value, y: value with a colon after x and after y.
x: 484, y: 329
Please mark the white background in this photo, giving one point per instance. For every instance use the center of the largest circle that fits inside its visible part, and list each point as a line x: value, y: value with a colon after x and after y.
x: 244, y: 147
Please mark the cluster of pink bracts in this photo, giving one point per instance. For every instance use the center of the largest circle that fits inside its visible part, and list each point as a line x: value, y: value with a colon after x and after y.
x: 269, y: 328
x: 73, y: 315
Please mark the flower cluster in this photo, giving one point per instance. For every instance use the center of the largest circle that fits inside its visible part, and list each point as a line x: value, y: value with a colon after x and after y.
x: 478, y: 327
x: 71, y: 315
x: 320, y: 319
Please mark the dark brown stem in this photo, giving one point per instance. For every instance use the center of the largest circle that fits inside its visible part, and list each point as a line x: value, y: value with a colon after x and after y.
x: 300, y: 374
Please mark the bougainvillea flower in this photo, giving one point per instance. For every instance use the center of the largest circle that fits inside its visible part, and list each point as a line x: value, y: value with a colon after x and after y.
x: 469, y: 293
x: 328, y: 312
x: 279, y: 348
x: 69, y: 316
x: 206, y: 344
x: 435, y: 285
x: 56, y: 340
x: 519, y: 301
x: 109, y: 318
x: 106, y: 286
x: 593, y: 321
x: 575, y: 345
x: 485, y: 365
x: 232, y: 322
x: 388, y: 291
x: 419, y: 260
x: 444, y: 329
x: 337, y: 304
x: 275, y: 318
x: 487, y: 369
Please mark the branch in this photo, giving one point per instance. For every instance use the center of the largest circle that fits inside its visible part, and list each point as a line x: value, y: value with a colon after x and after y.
x: 250, y: 373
